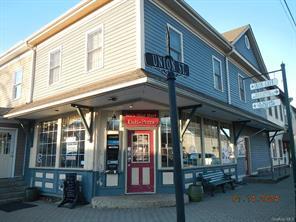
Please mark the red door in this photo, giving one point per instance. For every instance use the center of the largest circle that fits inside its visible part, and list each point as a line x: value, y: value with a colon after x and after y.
x: 140, y: 161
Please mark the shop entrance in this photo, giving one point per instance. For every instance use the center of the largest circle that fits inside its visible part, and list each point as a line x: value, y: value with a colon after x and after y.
x: 7, y: 152
x: 140, y: 161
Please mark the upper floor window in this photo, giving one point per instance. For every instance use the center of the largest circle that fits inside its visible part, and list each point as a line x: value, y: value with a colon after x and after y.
x: 242, y: 89
x: 17, y: 84
x: 175, y: 44
x: 247, y: 42
x: 276, y: 112
x: 54, y: 66
x: 95, y: 49
x: 281, y: 112
x: 217, y: 71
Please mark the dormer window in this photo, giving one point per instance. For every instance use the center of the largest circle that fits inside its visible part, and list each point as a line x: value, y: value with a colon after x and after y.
x: 247, y: 42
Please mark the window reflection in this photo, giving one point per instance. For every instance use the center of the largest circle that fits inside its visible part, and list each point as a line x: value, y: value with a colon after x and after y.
x: 212, y: 151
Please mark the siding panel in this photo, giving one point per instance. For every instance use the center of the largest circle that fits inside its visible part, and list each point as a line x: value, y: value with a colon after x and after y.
x: 197, y: 54
x: 119, y: 50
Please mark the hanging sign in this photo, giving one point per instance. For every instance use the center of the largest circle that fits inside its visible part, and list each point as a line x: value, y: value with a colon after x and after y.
x: 266, y: 104
x: 136, y: 121
x: 263, y: 84
x: 166, y: 63
x: 264, y: 94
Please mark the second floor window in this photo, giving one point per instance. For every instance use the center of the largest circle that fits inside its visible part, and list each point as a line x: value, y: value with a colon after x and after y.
x: 95, y: 49
x: 281, y: 112
x: 276, y: 112
x: 175, y: 44
x: 217, y: 71
x: 54, y: 66
x: 17, y: 84
x: 241, y: 86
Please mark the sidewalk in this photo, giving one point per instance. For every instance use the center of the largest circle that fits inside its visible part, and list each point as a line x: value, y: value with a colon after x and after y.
x: 249, y: 202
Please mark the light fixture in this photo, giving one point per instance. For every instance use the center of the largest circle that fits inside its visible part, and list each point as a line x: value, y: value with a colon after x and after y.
x: 56, y: 110
x: 113, y: 116
x: 131, y: 106
x: 112, y: 98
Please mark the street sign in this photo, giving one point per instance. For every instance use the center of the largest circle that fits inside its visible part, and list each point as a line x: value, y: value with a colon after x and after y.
x: 263, y: 84
x: 266, y: 93
x: 266, y: 104
x: 166, y: 63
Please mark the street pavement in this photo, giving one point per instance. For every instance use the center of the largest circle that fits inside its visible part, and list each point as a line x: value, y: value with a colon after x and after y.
x: 250, y: 202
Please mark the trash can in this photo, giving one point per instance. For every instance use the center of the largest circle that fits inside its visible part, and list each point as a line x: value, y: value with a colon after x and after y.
x: 195, y: 192
x: 31, y: 194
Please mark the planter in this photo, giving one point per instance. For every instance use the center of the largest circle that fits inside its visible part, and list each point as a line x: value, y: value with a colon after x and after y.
x: 31, y: 194
x: 195, y: 192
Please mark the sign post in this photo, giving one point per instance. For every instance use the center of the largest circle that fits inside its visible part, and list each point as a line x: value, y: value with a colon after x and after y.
x: 170, y: 67
x: 290, y: 128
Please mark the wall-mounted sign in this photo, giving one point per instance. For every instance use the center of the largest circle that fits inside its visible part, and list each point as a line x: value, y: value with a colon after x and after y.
x: 166, y: 63
x: 263, y: 84
x: 266, y: 104
x: 137, y: 121
x: 266, y: 93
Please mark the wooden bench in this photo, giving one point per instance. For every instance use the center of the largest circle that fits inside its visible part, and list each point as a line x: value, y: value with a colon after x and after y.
x: 212, y: 179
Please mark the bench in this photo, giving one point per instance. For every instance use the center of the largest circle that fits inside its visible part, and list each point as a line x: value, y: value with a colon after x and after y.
x: 212, y: 179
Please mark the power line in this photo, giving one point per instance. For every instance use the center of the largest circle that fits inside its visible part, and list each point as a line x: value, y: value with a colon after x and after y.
x: 288, y: 16
x: 290, y: 13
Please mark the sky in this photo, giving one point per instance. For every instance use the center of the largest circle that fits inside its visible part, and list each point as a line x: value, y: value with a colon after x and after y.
x: 273, y: 31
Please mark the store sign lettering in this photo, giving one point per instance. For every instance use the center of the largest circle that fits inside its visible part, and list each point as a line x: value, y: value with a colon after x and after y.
x: 166, y: 63
x: 133, y: 121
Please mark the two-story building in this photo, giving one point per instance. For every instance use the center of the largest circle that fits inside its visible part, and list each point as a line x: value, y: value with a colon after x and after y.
x: 90, y: 105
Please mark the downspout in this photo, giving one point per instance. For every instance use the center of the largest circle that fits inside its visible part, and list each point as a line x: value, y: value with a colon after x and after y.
x: 33, y: 71
x: 227, y: 75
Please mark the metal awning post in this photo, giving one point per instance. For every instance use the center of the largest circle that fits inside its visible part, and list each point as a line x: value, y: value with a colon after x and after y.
x: 192, y: 112
x: 88, y: 128
x: 244, y: 123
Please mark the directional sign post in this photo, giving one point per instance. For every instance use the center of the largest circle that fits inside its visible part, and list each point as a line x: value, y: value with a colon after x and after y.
x: 266, y: 104
x: 266, y: 93
x: 173, y: 68
x: 263, y: 84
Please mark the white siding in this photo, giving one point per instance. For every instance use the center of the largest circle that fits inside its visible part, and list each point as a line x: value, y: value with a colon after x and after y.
x: 7, y: 77
x: 119, y: 23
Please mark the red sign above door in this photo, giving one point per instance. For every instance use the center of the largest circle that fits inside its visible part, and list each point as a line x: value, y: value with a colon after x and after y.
x: 139, y: 121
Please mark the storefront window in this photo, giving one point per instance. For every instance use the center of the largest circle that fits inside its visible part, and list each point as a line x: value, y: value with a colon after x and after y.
x: 212, y: 151
x: 46, y: 150
x: 227, y: 149
x: 192, y: 154
x: 73, y: 142
x: 166, y: 142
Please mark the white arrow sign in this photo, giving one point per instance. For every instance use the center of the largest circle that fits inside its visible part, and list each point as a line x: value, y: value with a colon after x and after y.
x: 266, y: 104
x: 267, y: 93
x: 267, y: 83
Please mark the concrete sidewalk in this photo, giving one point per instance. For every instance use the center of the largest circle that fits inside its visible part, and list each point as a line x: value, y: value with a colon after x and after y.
x: 249, y: 202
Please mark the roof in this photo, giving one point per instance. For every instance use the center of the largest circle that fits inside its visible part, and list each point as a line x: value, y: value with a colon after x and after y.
x: 234, y: 34
x: 3, y: 111
x: 79, y: 11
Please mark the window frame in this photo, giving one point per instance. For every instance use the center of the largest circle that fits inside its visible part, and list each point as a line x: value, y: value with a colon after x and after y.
x: 87, y: 145
x: 239, y: 89
x: 60, y: 65
x: 221, y: 73
x: 276, y: 114
x: 90, y: 31
x: 169, y: 26
x: 247, y: 42
x: 14, y: 85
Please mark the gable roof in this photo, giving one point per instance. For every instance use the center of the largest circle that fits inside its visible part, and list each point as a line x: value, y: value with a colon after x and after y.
x: 235, y: 34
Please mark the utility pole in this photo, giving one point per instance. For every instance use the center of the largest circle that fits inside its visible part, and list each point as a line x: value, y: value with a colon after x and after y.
x: 290, y: 127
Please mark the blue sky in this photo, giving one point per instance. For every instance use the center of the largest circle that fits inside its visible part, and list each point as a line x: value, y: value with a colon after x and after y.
x: 274, y: 33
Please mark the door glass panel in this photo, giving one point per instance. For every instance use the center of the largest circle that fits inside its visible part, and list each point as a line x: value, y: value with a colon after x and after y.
x: 5, y: 143
x: 140, y: 148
